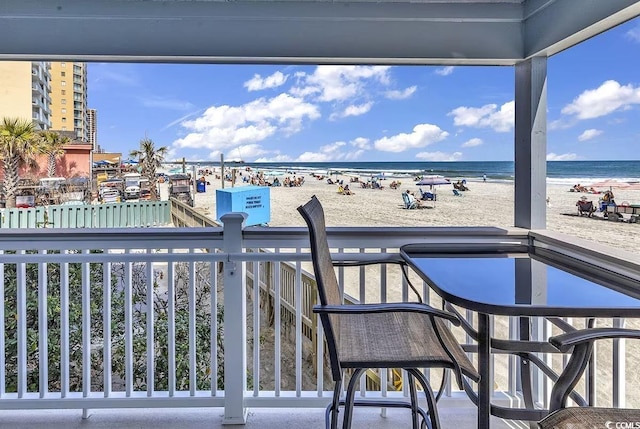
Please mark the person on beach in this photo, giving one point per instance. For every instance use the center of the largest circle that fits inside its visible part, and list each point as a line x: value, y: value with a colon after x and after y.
x: 484, y: 177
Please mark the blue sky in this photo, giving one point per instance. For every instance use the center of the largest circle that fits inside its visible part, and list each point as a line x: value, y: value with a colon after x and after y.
x: 364, y: 113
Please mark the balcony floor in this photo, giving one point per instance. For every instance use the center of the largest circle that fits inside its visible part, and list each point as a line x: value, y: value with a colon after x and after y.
x: 452, y: 416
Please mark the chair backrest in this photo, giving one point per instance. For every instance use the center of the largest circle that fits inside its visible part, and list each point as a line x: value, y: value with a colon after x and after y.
x: 328, y: 288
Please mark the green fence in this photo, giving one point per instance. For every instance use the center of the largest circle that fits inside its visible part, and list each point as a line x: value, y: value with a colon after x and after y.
x: 116, y: 215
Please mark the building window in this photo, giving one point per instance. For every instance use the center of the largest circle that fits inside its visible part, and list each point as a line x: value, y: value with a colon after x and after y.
x: 63, y: 74
x: 63, y: 101
x: 63, y: 83
x: 64, y: 119
x: 64, y: 92
x: 63, y: 64
x: 64, y: 128
x: 64, y: 110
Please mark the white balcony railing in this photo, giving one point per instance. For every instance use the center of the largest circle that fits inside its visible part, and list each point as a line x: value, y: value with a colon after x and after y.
x: 125, y: 318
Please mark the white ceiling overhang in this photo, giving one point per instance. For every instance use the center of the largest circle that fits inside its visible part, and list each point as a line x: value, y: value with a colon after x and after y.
x: 455, y: 32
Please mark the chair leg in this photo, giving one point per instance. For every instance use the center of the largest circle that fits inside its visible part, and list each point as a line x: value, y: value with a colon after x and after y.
x: 331, y: 414
x: 414, y: 400
x: 349, y: 399
x: 431, y: 400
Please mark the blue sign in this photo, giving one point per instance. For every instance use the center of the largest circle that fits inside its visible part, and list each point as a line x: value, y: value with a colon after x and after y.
x: 252, y: 200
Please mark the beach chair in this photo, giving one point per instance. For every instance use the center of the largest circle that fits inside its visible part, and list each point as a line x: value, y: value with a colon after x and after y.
x: 581, y: 343
x: 408, y: 204
x: 409, y: 336
x: 585, y: 208
x: 427, y: 196
x: 457, y: 193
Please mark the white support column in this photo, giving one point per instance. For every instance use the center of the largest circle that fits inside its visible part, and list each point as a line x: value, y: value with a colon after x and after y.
x: 235, y: 317
x: 531, y: 143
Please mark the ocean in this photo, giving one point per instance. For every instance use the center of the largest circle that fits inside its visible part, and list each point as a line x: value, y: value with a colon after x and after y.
x: 558, y: 172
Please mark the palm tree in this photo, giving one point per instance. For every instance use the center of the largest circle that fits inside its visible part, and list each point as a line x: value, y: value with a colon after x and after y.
x: 19, y: 144
x: 52, y: 144
x: 150, y: 158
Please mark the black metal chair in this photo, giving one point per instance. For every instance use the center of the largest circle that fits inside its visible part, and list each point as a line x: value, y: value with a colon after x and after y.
x: 560, y: 417
x: 404, y: 335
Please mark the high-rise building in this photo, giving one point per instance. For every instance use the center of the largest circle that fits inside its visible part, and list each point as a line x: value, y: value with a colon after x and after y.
x: 24, y: 91
x: 69, y: 98
x: 92, y: 121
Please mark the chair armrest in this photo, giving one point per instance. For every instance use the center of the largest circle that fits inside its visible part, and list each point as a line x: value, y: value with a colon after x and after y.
x: 564, y: 342
x: 386, y: 308
x: 582, y: 343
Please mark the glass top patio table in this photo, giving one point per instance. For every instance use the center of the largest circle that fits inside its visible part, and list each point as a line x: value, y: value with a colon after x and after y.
x: 518, y: 280
x: 520, y: 284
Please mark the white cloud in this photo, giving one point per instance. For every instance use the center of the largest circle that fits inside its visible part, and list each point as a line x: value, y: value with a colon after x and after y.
x: 445, y: 71
x: 634, y: 33
x: 487, y: 116
x: 352, y: 110
x: 221, y: 127
x: 421, y: 136
x: 401, y: 94
x: 361, y: 143
x: 331, y: 152
x: 249, y: 151
x: 257, y: 82
x: 472, y: 142
x: 606, y: 99
x: 439, y: 156
x: 589, y: 134
x: 338, y: 83
x: 563, y: 157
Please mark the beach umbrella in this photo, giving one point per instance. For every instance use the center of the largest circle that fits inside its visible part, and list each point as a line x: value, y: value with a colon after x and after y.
x: 609, y: 183
x: 433, y: 181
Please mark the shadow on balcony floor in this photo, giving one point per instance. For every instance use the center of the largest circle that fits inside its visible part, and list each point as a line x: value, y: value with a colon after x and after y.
x: 262, y: 418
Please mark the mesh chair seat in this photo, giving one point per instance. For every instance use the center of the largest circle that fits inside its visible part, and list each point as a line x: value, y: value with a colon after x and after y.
x: 389, y: 335
x: 399, y: 339
x: 589, y: 417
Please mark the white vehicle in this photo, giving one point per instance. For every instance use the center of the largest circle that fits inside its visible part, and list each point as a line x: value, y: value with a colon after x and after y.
x: 131, y: 186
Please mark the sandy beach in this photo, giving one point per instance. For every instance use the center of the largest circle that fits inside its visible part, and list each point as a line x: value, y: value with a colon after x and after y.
x: 485, y: 204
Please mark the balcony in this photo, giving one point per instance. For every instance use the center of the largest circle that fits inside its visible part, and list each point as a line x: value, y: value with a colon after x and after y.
x: 166, y: 357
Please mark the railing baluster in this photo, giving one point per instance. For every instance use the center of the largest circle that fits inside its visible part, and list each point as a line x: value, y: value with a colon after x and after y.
x: 514, y: 334
x: 277, y: 327
x: 86, y: 331
x: 21, y: 269
x: 106, y: 320
x: 171, y: 320
x: 64, y: 327
x: 213, y: 272
x: 320, y: 356
x: 43, y: 331
x: 128, y: 327
x: 256, y: 327
x: 192, y: 327
x: 362, y: 297
x: 150, y: 326
x: 619, y: 367
x: 298, y: 307
x: 384, y: 373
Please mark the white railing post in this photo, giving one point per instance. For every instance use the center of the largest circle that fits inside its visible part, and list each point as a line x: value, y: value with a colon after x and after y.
x: 235, y: 317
